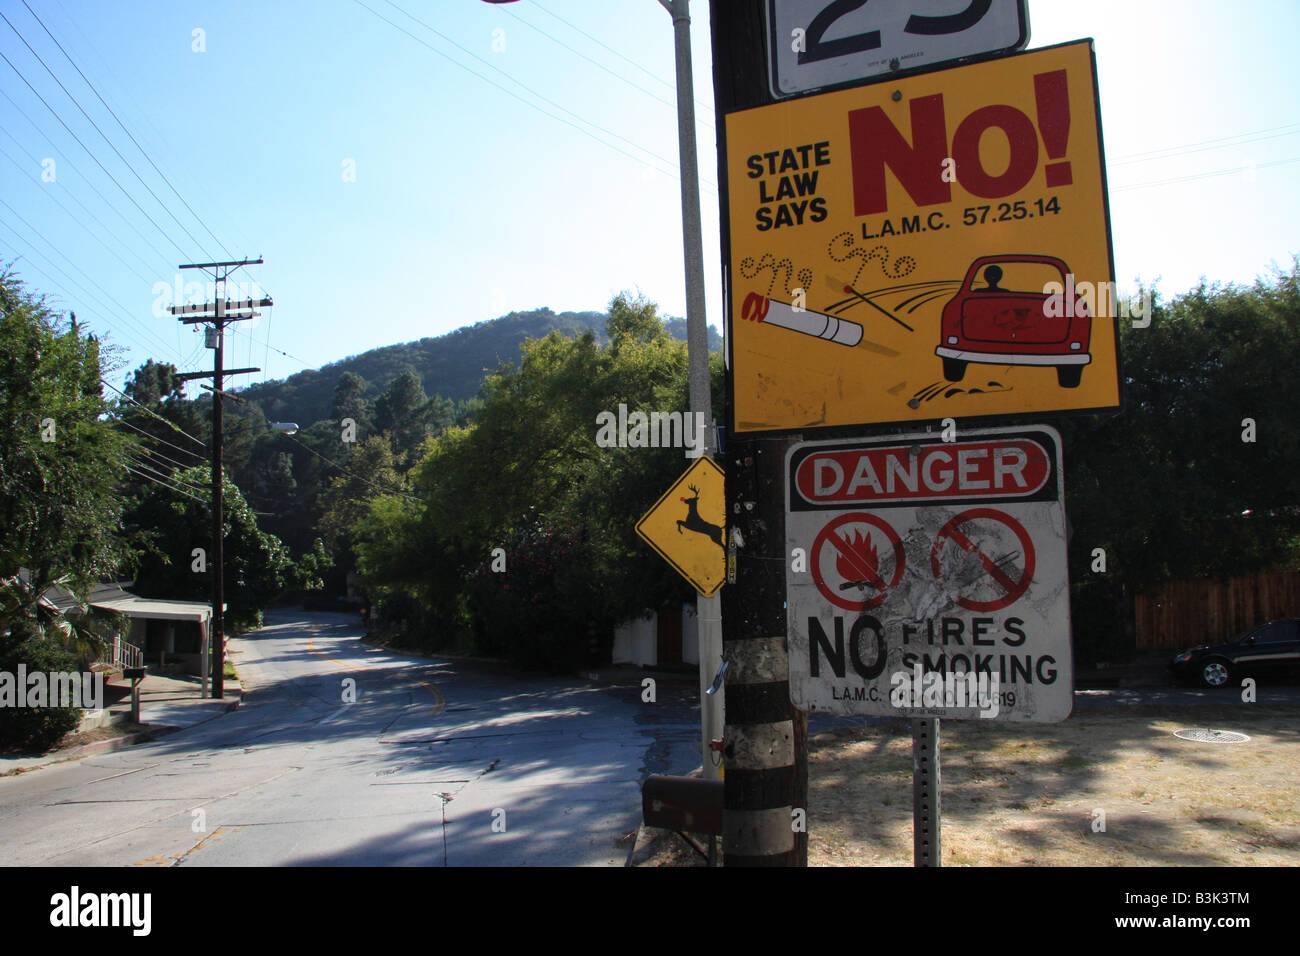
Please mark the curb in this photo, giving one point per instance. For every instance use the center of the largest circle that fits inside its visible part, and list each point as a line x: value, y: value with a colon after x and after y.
x: 151, y: 733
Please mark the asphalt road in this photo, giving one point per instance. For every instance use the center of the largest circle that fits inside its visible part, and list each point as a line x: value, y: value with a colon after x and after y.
x: 435, y: 763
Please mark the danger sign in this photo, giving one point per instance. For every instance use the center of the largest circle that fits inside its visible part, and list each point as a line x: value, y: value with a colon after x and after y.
x: 929, y: 578
x: 936, y: 245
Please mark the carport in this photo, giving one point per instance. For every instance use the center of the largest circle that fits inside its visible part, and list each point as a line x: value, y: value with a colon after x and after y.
x: 162, y: 638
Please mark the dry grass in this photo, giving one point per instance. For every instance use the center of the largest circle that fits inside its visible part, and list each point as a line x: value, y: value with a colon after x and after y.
x: 1029, y: 794
x: 1026, y: 794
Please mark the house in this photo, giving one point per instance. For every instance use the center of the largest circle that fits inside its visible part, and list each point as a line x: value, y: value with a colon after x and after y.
x: 164, y: 631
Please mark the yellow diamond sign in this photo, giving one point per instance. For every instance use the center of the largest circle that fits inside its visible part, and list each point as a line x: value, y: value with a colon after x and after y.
x: 687, y: 525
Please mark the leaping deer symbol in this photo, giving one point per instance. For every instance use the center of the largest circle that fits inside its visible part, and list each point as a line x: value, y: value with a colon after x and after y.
x: 693, y: 521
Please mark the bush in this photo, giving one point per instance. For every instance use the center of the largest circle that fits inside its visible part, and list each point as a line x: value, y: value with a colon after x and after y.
x: 535, y: 613
x: 35, y: 728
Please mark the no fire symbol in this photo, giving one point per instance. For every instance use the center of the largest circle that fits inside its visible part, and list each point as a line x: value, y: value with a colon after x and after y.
x: 857, y: 554
x: 999, y: 544
x: 984, y: 558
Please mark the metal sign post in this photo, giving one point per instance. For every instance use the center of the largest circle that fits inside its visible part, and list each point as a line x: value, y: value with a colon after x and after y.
x: 926, y: 850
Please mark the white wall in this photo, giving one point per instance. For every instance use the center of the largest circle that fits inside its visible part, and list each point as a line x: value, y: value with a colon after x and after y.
x: 637, y: 641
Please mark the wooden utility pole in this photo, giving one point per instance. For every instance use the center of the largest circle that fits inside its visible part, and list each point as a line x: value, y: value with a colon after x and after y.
x: 219, y: 313
x: 766, y: 738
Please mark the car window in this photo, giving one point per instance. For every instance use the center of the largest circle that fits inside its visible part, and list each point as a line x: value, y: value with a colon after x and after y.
x: 1275, y: 632
x: 1011, y: 276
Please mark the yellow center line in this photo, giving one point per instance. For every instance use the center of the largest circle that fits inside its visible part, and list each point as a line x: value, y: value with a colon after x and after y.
x: 436, y: 709
x: 311, y: 646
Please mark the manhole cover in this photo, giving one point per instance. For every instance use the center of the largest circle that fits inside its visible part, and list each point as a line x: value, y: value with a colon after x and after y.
x: 1212, y: 736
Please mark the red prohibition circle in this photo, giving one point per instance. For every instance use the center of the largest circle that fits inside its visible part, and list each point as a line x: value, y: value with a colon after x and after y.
x: 1014, y: 588
x: 825, y: 536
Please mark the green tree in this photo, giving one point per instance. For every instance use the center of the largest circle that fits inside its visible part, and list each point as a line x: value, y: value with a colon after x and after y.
x: 258, y: 567
x: 528, y: 475
x: 371, y: 472
x: 156, y: 409
x: 1169, y: 489
x: 350, y: 402
x: 403, y: 411
x: 60, y: 466
x: 60, y: 461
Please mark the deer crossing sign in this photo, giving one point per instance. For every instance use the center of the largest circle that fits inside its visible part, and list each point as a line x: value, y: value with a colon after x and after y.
x: 686, y: 526
x: 918, y: 565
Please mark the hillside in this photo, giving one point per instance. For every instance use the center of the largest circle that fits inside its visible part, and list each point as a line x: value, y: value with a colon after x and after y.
x: 450, y: 365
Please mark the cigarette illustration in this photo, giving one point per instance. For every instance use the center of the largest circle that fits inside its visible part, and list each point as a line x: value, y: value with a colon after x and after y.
x: 758, y: 308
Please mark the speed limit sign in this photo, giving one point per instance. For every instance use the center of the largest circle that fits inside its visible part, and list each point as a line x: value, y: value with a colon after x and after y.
x: 816, y: 44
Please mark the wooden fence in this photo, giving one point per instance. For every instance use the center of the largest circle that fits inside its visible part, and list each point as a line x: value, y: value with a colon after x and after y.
x: 1209, y: 611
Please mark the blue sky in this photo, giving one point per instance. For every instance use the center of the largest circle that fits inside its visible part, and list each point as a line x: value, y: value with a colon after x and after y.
x: 547, y: 179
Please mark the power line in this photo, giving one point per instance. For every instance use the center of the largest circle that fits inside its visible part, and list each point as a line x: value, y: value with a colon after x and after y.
x: 267, y: 343
x: 93, y: 156
x: 597, y: 63
x: 165, y: 484
x: 387, y: 491
x: 50, y: 195
x: 93, y: 188
x: 157, y: 454
x: 178, y: 448
x: 170, y: 424
x: 1210, y: 175
x: 1256, y: 135
x: 700, y: 103
x: 512, y: 93
x: 127, y: 131
x: 512, y: 79
x: 57, y: 295
x: 163, y: 474
x: 104, y: 136
x: 85, y: 294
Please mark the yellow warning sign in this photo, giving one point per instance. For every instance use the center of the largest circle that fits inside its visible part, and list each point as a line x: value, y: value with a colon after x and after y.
x: 687, y: 524
x: 935, y: 246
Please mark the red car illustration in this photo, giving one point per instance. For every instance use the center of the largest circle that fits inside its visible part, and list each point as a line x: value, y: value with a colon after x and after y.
x: 1002, y: 315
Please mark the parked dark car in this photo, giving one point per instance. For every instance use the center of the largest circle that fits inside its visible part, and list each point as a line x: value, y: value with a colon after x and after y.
x: 1272, y: 650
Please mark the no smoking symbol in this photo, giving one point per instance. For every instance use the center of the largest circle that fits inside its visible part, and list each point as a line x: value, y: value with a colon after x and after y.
x: 855, y: 557
x: 986, y: 534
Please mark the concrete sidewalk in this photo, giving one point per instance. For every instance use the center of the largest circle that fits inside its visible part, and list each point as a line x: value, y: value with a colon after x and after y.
x: 167, y: 704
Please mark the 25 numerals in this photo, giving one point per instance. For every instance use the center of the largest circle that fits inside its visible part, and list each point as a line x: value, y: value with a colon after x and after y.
x: 818, y: 48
